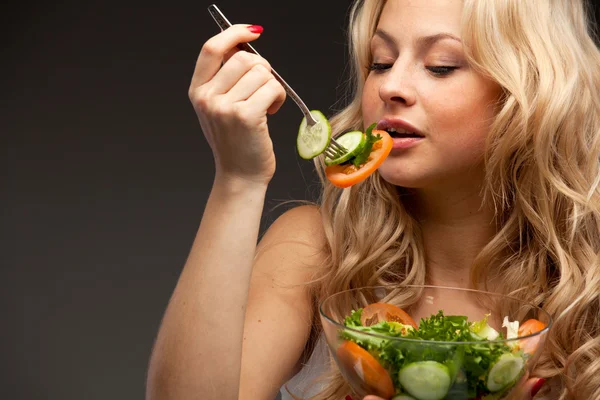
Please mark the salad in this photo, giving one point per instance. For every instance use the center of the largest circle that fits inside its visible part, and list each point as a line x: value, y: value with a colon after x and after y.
x: 415, y: 369
x: 365, y: 151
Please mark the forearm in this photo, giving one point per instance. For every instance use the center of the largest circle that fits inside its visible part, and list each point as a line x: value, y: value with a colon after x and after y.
x: 199, y: 346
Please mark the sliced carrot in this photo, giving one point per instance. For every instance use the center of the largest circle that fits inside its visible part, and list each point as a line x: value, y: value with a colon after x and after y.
x: 527, y: 328
x: 344, y: 175
x: 361, y: 368
x: 377, y: 312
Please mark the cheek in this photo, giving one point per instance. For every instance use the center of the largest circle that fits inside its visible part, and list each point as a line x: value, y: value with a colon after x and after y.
x: 370, y: 99
x: 466, y: 118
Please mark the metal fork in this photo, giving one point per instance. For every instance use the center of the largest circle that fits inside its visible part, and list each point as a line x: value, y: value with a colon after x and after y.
x: 334, y: 149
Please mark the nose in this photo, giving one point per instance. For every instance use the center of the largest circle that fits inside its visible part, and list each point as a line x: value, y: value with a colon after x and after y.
x: 397, y: 87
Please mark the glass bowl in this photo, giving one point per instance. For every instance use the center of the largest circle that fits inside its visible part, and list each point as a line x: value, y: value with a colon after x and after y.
x: 467, y: 345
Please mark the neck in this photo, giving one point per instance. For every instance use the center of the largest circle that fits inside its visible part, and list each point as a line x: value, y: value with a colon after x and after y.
x: 455, y: 227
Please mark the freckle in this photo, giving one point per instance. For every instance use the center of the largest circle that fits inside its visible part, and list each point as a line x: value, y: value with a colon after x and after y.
x: 259, y: 320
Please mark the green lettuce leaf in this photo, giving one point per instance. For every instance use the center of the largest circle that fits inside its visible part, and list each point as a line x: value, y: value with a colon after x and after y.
x: 363, y: 156
x: 354, y: 318
x: 482, y: 329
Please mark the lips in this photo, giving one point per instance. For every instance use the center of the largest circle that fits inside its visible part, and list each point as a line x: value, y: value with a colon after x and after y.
x: 398, y: 128
x: 403, y: 133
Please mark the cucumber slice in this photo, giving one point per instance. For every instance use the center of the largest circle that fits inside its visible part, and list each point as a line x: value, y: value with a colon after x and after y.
x: 312, y: 140
x: 425, y: 380
x: 505, y: 371
x: 353, y: 141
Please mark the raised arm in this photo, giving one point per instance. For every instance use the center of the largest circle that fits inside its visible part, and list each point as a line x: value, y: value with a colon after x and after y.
x: 198, y: 350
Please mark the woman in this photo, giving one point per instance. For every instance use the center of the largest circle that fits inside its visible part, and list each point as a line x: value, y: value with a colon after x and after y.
x: 498, y: 189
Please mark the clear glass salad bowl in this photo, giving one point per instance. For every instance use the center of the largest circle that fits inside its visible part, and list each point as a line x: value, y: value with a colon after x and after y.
x: 430, y: 342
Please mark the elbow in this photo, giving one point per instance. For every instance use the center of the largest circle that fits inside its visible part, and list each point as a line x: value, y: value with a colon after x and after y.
x: 160, y: 376
x: 156, y: 382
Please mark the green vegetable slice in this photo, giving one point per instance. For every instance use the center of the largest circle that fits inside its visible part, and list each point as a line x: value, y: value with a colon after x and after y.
x: 353, y: 141
x: 312, y: 140
x: 504, y: 372
x: 363, y: 155
x: 425, y: 380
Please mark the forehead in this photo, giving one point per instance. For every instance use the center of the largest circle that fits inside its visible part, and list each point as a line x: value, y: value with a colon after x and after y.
x: 410, y: 17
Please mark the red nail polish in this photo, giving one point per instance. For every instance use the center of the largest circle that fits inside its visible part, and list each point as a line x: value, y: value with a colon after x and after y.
x: 348, y: 397
x: 538, y: 385
x: 255, y: 28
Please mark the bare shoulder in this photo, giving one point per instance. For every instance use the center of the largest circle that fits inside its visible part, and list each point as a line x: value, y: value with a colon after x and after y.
x: 298, y: 232
x: 279, y: 314
x: 301, y: 220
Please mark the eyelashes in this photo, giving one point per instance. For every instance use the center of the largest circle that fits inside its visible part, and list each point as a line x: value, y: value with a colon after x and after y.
x: 441, y: 70
x: 379, y: 67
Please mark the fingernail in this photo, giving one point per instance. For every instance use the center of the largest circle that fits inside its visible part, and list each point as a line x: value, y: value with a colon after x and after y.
x: 255, y: 28
x: 538, y: 385
x: 348, y: 397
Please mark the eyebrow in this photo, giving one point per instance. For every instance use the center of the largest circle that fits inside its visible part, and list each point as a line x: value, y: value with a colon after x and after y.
x: 423, y: 41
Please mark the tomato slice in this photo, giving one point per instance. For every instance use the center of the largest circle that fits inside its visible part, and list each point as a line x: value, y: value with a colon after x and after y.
x: 527, y: 328
x: 344, y: 175
x: 359, y: 366
x: 377, y: 312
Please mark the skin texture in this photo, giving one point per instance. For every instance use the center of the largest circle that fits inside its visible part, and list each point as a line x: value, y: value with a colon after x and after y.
x: 236, y: 98
x: 198, y: 354
x: 452, y: 108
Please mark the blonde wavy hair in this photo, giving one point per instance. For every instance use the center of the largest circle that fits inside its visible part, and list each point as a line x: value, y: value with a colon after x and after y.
x: 542, y: 175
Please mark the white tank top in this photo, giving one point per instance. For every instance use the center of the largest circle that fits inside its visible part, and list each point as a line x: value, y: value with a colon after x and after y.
x: 303, y: 385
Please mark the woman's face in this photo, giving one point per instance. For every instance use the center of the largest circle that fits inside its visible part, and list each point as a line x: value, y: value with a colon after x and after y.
x: 420, y: 83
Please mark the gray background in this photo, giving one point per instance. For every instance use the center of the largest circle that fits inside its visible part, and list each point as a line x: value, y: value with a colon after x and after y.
x: 105, y: 173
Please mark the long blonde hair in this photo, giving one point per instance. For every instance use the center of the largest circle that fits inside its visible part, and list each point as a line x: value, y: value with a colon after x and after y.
x: 542, y: 175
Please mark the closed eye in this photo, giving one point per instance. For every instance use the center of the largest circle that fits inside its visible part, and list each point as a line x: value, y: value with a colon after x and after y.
x: 441, y: 70
x: 379, y: 67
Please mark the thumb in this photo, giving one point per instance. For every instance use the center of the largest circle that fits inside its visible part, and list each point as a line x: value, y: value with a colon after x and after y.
x: 529, y: 388
x: 536, y: 385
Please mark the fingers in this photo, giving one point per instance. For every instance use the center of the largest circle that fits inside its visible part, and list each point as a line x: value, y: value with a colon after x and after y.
x: 527, y: 388
x: 269, y: 96
x: 278, y: 102
x: 372, y: 397
x: 241, y: 67
x: 531, y: 387
x: 230, y: 54
x: 249, y: 83
x: 227, y: 77
x: 216, y: 48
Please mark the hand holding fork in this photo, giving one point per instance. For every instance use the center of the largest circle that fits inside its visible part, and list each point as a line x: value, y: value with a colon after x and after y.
x: 332, y: 149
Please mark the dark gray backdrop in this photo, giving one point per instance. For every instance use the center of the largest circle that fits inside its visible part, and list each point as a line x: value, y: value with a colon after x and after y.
x: 105, y: 173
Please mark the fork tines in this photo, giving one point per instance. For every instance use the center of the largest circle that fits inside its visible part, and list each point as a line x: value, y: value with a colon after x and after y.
x: 334, y: 150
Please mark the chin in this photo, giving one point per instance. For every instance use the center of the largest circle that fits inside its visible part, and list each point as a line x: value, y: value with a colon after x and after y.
x: 414, y: 174
x: 398, y: 175
x: 402, y: 181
